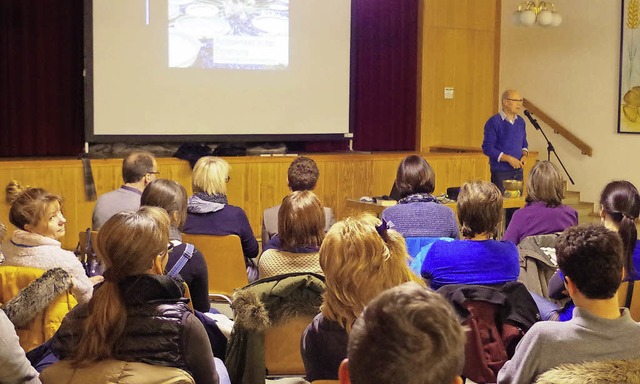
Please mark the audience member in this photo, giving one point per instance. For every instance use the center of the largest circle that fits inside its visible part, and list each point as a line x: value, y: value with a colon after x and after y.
x: 301, y: 223
x: 591, y: 260
x: 38, y: 216
x: 418, y: 213
x: 360, y: 258
x: 172, y: 197
x: 137, y: 314
x: 408, y: 335
x: 544, y: 212
x: 208, y: 212
x: 619, y: 208
x: 14, y: 366
x: 477, y: 258
x: 302, y: 175
x: 139, y: 168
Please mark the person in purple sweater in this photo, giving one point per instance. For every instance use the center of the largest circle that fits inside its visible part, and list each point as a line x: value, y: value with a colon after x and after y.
x: 505, y: 140
x: 208, y: 212
x: 544, y: 212
x: 418, y: 213
x: 477, y: 259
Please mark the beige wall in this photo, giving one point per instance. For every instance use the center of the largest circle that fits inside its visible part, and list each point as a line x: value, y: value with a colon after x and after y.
x: 571, y: 73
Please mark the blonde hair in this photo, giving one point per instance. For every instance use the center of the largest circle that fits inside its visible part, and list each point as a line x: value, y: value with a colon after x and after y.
x: 545, y: 184
x: 300, y: 221
x: 128, y: 244
x: 358, y: 264
x: 210, y: 176
x: 28, y: 205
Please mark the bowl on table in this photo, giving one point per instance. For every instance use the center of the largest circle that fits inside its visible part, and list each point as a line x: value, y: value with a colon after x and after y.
x: 512, y: 188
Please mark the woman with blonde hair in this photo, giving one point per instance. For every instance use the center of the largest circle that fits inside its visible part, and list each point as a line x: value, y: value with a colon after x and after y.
x: 301, y: 223
x: 208, y: 211
x: 36, y: 243
x: 360, y: 258
x: 138, y: 313
x: 172, y: 197
x: 544, y: 212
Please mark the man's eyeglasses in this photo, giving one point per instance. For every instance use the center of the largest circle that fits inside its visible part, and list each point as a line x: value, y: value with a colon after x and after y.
x: 153, y: 173
x: 516, y: 100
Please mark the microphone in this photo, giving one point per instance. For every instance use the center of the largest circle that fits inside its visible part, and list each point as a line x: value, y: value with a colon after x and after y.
x: 533, y: 121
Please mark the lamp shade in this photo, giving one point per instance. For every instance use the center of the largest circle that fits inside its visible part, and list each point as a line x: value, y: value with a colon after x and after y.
x: 556, y: 20
x: 545, y: 18
x: 528, y: 18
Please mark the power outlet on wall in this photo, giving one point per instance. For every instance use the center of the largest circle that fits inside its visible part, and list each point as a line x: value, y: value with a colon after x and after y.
x: 448, y: 92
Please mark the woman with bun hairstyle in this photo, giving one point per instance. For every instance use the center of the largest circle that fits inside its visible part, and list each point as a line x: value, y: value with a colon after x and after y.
x: 36, y: 243
x: 138, y: 314
x: 544, y: 212
x: 360, y: 258
x: 172, y: 197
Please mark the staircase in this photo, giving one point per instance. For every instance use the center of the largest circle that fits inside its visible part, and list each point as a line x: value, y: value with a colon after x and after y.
x: 586, y: 213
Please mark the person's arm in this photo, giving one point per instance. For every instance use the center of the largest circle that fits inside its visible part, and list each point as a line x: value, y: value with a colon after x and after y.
x: 198, y: 353
x: 524, y: 365
x: 265, y: 234
x: 14, y: 366
x: 250, y: 246
x: 200, y: 283
x: 512, y: 233
x: 82, y: 286
x: 490, y: 140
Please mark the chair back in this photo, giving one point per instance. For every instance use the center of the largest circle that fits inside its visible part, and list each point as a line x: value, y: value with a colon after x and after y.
x: 225, y: 262
x: 114, y: 372
x: 282, y: 347
x: 46, y: 322
x: 629, y: 296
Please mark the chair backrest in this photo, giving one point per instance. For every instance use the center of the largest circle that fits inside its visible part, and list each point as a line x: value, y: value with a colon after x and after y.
x: 45, y: 323
x: 114, y: 372
x: 634, y: 302
x: 282, y: 347
x: 225, y: 261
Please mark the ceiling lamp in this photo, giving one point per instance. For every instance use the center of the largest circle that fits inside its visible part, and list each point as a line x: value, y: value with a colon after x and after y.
x: 537, y: 12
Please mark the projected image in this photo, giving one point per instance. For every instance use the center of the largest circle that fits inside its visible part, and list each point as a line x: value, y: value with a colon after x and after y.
x: 236, y: 34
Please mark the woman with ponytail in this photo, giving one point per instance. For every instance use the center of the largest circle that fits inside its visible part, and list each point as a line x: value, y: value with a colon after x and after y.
x: 620, y: 206
x: 137, y: 314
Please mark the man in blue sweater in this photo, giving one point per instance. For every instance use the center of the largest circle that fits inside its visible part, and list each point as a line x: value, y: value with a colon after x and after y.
x: 505, y: 140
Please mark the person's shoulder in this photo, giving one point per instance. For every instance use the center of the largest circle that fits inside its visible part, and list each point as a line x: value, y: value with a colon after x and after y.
x: 272, y: 211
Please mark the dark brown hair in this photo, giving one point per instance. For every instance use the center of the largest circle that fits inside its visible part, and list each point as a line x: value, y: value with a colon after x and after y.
x: 591, y: 256
x: 415, y: 176
x: 301, y: 221
x: 620, y: 200
x: 169, y: 195
x: 303, y: 174
x: 479, y: 208
x: 28, y: 205
x: 545, y: 184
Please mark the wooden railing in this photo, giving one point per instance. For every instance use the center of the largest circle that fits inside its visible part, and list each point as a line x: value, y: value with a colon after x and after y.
x: 559, y: 129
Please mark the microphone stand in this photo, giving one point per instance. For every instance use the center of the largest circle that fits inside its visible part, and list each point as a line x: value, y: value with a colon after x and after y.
x: 550, y: 147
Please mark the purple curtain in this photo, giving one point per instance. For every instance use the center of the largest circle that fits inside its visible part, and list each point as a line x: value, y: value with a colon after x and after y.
x: 41, y: 61
x: 41, y: 104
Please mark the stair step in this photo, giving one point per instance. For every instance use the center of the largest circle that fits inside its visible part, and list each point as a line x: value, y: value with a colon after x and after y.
x: 571, y: 197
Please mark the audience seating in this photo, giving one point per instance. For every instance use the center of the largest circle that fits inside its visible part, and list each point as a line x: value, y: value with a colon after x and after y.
x: 114, y: 371
x: 630, y: 299
x: 39, y: 326
x: 225, y: 263
x: 282, y: 347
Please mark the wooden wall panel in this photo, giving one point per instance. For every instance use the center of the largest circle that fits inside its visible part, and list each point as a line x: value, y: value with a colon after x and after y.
x: 458, y: 49
x: 256, y: 182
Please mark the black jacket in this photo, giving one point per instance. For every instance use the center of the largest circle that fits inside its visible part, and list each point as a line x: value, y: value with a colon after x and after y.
x: 160, y: 329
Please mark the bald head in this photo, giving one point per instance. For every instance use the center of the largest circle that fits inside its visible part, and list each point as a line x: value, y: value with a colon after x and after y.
x: 137, y: 165
x: 511, y: 102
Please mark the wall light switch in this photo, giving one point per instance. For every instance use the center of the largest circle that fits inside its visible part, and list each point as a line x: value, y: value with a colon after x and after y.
x: 448, y: 92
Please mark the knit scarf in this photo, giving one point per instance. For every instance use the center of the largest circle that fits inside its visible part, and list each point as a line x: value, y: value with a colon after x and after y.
x: 219, y: 198
x: 418, y: 198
